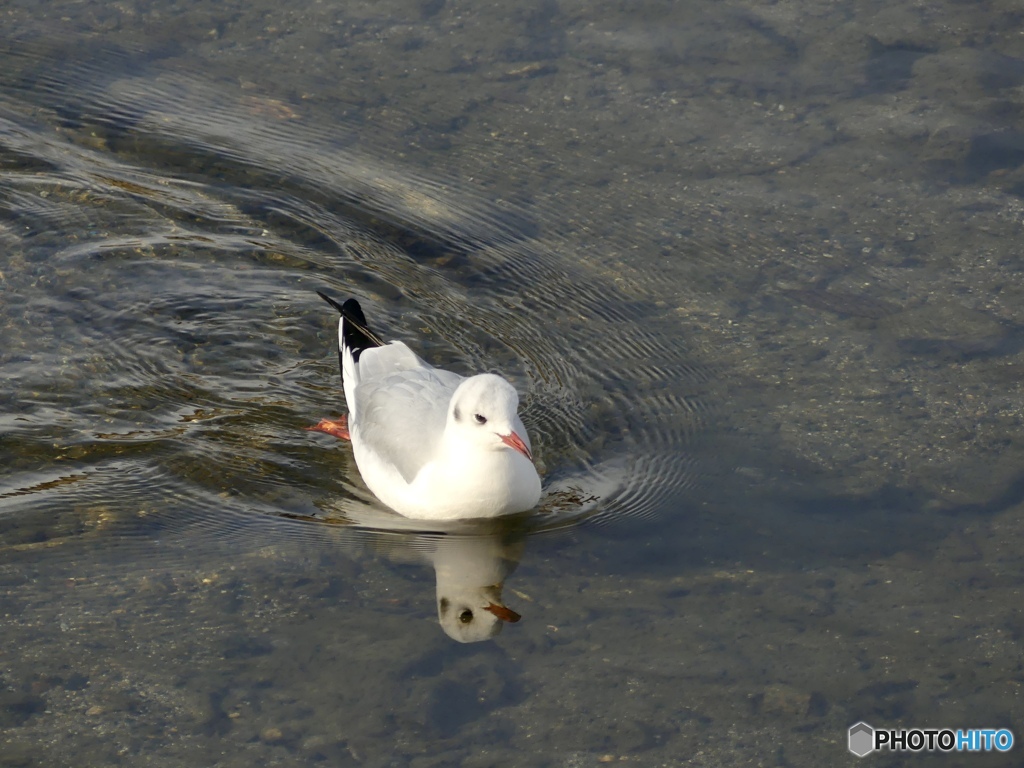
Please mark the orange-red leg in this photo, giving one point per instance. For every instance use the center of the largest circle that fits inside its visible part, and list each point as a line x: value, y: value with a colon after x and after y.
x: 338, y: 427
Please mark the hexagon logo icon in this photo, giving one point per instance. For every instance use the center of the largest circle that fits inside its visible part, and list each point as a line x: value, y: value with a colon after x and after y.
x: 862, y: 739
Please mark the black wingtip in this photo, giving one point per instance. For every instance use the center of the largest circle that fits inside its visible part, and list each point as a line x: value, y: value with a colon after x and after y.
x: 356, y: 331
x: 332, y: 302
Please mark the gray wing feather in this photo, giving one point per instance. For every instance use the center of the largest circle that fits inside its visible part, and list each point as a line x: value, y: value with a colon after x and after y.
x: 402, y: 406
x: 377, y: 363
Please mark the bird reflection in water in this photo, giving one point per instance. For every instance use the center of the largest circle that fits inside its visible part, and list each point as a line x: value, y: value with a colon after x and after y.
x: 470, y: 572
x: 471, y: 560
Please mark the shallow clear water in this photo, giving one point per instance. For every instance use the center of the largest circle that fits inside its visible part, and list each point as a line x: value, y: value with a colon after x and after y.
x: 752, y: 269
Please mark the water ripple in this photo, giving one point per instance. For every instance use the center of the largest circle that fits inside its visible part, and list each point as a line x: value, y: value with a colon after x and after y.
x: 167, y: 346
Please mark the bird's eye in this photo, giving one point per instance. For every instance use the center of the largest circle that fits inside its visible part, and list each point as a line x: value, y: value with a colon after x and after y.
x: 466, y: 616
x: 479, y: 419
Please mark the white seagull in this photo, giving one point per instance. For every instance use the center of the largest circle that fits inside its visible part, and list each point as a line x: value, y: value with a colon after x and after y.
x: 429, y: 443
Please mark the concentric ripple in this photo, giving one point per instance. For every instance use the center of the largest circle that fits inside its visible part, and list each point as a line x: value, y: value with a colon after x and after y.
x: 163, y: 243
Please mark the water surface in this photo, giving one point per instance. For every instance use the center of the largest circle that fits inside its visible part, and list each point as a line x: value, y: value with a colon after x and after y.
x: 751, y: 269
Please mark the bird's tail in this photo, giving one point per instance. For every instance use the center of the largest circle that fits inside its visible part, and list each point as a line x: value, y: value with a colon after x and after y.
x: 354, y: 335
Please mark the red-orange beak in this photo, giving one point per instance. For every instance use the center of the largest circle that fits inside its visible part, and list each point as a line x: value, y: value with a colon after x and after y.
x: 515, y: 442
x: 503, y: 612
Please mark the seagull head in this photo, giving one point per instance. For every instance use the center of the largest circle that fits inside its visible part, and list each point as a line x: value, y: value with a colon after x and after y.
x: 484, y: 413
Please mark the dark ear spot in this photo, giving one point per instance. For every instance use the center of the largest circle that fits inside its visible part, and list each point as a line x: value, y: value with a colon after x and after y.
x: 444, y: 605
x: 457, y: 414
